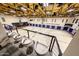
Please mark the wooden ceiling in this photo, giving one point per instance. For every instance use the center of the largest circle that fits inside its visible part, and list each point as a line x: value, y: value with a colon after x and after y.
x: 39, y: 10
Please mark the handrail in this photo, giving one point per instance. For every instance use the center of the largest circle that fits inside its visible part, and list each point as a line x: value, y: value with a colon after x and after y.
x: 60, y: 53
x: 53, y: 40
x: 37, y: 32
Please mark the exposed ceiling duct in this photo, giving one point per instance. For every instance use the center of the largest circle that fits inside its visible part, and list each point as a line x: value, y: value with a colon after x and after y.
x: 40, y: 9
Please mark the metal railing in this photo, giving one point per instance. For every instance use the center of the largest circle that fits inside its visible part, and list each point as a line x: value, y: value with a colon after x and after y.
x: 52, y: 43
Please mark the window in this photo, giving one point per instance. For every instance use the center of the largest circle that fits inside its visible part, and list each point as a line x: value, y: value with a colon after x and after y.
x: 55, y: 20
x: 3, y: 19
x: 66, y: 20
x: 37, y: 19
x: 76, y: 21
x: 52, y: 20
x: 73, y: 21
x: 43, y: 19
x: 62, y: 20
x: 46, y: 20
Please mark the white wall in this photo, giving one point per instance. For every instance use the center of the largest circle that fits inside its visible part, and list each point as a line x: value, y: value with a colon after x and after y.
x: 75, y: 25
x: 11, y: 19
x: 50, y: 21
x: 2, y: 32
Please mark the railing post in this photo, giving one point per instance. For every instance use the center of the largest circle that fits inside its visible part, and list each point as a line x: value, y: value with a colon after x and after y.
x: 53, y: 40
x: 28, y: 34
x: 51, y: 44
x: 60, y: 53
x: 17, y: 30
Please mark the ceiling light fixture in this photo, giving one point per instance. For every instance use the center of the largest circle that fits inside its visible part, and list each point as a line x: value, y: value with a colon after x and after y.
x: 45, y: 4
x: 70, y: 10
x: 12, y: 11
x: 48, y: 13
x: 24, y: 9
